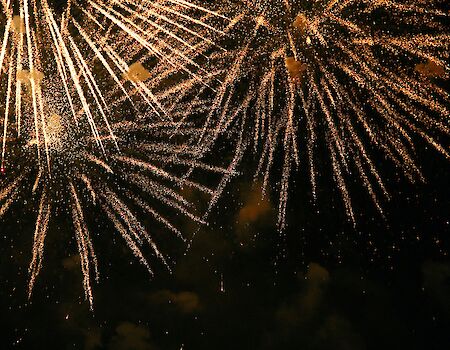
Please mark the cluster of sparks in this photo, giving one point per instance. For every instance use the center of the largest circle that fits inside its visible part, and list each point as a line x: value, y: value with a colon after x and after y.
x: 117, y: 103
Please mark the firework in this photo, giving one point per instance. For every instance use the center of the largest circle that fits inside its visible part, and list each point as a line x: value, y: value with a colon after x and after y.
x: 360, y: 77
x: 82, y: 128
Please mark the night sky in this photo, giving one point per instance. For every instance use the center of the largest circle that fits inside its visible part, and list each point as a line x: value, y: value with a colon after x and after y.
x: 322, y: 284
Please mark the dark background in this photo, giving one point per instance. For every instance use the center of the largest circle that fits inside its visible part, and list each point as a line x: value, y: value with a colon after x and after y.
x: 322, y: 284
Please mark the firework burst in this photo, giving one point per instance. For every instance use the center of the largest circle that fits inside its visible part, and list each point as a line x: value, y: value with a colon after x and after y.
x: 82, y: 128
x: 362, y: 76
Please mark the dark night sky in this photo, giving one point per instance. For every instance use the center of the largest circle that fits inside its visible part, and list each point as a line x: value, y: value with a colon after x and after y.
x: 321, y: 285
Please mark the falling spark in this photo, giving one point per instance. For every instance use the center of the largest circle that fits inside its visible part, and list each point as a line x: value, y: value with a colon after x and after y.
x: 222, y: 285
